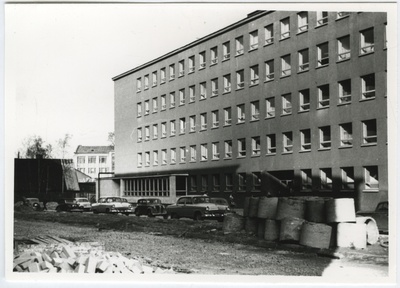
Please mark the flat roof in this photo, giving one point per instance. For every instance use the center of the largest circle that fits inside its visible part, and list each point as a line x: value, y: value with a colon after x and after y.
x: 250, y: 17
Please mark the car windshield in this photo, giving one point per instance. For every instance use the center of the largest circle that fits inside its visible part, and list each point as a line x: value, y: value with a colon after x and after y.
x: 154, y: 201
x: 201, y: 200
x: 82, y: 200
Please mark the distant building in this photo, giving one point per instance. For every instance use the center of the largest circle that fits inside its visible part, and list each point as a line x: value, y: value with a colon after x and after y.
x: 91, y: 160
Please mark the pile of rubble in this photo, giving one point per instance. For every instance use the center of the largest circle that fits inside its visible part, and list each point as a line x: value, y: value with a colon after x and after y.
x: 69, y: 257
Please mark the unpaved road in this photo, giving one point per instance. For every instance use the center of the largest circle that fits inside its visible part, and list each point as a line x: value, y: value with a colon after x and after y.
x: 186, y: 245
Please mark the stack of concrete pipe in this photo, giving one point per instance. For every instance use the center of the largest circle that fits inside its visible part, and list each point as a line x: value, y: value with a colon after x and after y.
x: 310, y: 221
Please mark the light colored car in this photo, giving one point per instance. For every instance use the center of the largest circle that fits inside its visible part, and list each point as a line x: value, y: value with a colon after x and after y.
x: 83, y: 203
x: 197, y: 207
x: 112, y: 204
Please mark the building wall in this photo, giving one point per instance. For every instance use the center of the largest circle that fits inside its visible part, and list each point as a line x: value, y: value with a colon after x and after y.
x: 358, y: 156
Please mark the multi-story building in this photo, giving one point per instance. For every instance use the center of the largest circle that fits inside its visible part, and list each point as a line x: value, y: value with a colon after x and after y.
x: 94, y: 159
x: 279, y: 103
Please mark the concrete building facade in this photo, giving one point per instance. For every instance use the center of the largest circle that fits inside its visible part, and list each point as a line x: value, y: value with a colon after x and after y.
x: 92, y: 160
x: 279, y: 103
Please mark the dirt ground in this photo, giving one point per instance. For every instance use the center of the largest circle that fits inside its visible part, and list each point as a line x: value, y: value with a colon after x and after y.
x: 188, y: 246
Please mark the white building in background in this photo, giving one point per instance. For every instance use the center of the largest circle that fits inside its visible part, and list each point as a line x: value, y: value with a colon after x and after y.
x: 94, y: 159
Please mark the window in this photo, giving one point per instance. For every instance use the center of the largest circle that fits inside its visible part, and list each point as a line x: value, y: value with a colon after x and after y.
x: 239, y: 45
x: 81, y: 159
x: 182, y: 97
x: 215, y: 150
x: 183, y: 154
x: 344, y: 48
x: 254, y: 76
x: 241, y: 115
x: 287, y: 142
x: 173, y: 127
x: 304, y: 102
x: 171, y: 72
x: 228, y: 149
x: 163, y: 156
x: 255, y: 110
x: 325, y: 137
x: 322, y: 18
x: 323, y: 54
x: 193, y: 153
x: 226, y: 50
x: 254, y: 40
x: 285, y: 66
x: 286, y: 104
x: 214, y: 55
x: 192, y: 123
x: 215, y: 118
x: 227, y: 116
x: 155, y: 158
x: 342, y: 14
x: 146, y: 82
x: 285, y: 28
x: 204, y: 183
x: 227, y: 83
x: 242, y: 147
x: 163, y: 102
x: 154, y: 78
x: 240, y: 79
x: 203, y: 121
x: 147, y: 158
x: 367, y: 41
x: 214, y: 87
x: 305, y: 138
x: 139, y: 109
x: 182, y: 125
x: 147, y: 133
x: 172, y: 99
x: 102, y: 159
x: 270, y: 103
x: 193, y: 183
x: 323, y: 96
x: 271, y: 144
x: 346, y: 135
x: 256, y: 181
x: 369, y: 132
x: 303, y: 60
x: 306, y: 179
x: 255, y: 146
x: 302, y: 22
x: 202, y: 60
x: 325, y: 178
x: 146, y: 107
x: 181, y: 68
x: 203, y: 90
x: 163, y: 75
x: 345, y: 91
x: 269, y: 34
x: 204, y: 152
x: 83, y: 170
x: 191, y: 64
x: 138, y: 84
x: 216, y: 182
x: 173, y: 155
x: 347, y: 178
x: 192, y: 93
x: 155, y: 131
x: 371, y: 178
x: 92, y: 170
x: 242, y: 181
x: 163, y: 129
x: 269, y: 70
x: 155, y: 105
x: 139, y: 159
x: 368, y: 86
x: 228, y: 182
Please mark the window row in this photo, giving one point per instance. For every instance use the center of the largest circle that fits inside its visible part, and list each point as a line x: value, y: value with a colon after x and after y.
x: 91, y: 159
x: 202, y: 153
x: 92, y: 170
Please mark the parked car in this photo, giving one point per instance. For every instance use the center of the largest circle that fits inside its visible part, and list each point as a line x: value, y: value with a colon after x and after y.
x: 112, y: 204
x: 68, y: 205
x: 198, y: 208
x: 221, y: 202
x: 83, y: 203
x: 380, y: 215
x: 34, y: 203
x: 150, y: 207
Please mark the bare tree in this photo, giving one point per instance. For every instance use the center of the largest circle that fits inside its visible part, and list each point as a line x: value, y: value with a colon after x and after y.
x: 111, y: 138
x: 63, y: 145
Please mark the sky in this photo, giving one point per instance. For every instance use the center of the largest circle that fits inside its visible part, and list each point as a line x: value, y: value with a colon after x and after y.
x: 60, y: 59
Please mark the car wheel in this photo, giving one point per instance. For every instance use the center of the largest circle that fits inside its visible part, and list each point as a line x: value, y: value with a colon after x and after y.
x: 197, y: 216
x: 95, y: 211
x: 137, y: 213
x: 150, y: 213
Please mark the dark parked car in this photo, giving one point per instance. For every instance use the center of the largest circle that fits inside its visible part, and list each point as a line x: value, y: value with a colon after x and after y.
x: 380, y: 215
x: 150, y: 207
x: 68, y: 205
x: 34, y: 203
